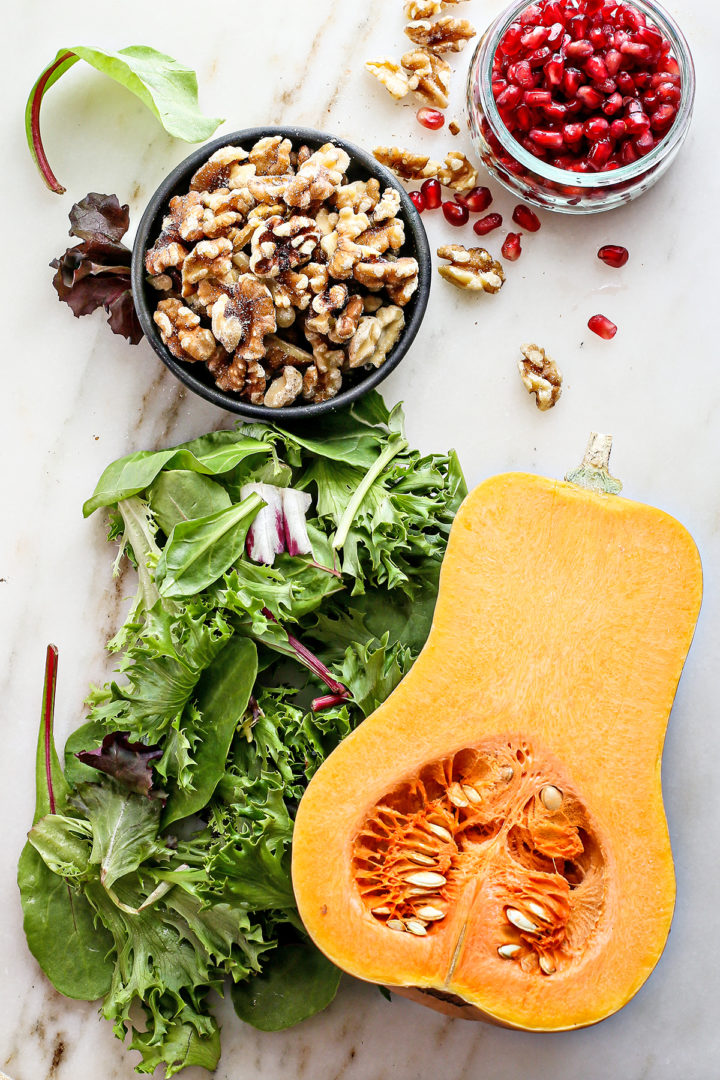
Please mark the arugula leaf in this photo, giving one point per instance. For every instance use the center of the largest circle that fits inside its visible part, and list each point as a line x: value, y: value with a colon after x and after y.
x: 296, y: 982
x: 164, y: 85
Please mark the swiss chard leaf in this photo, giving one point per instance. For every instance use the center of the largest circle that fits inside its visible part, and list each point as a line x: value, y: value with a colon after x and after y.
x: 164, y: 85
x: 296, y: 982
x: 221, y: 699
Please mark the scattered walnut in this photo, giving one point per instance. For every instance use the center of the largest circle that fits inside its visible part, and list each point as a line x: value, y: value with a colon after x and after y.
x: 433, y: 76
x: 181, y: 331
x: 540, y: 375
x: 209, y: 258
x: 454, y: 127
x: 242, y: 317
x: 396, y: 81
x: 422, y: 9
x: 457, y: 172
x: 218, y: 169
x: 278, y: 244
x: 271, y: 156
x: 405, y: 164
x: 471, y: 268
x: 283, y: 390
x: 444, y: 35
x: 318, y: 177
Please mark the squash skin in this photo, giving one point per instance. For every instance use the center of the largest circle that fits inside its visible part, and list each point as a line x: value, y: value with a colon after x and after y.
x: 534, y: 569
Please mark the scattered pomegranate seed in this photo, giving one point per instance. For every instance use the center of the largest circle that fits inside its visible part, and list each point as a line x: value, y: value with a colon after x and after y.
x: 485, y: 225
x: 418, y: 200
x: 430, y: 118
x: 455, y: 213
x: 602, y: 326
x: 613, y: 255
x: 511, y: 248
x: 598, y: 64
x: 476, y: 200
x: 526, y: 218
x: 432, y: 193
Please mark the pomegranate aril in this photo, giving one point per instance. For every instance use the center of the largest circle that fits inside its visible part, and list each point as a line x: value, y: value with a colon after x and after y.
x: 602, y: 326
x: 644, y: 143
x: 534, y: 38
x: 618, y: 130
x: 555, y: 111
x: 613, y: 255
x: 554, y: 71
x: 579, y: 26
x: 579, y: 50
x: 572, y: 79
x: 555, y: 34
x: 455, y: 213
x: 590, y: 97
x: 523, y: 118
x: 539, y: 57
x: 430, y: 118
x: 521, y: 74
x: 531, y: 15
x: 418, y: 200
x: 511, y: 43
x: 596, y: 128
x: 636, y: 49
x: 537, y: 97
x: 552, y: 140
x: 476, y: 200
x: 625, y: 82
x: 636, y: 122
x: 613, y: 104
x: 510, y: 97
x: 628, y: 153
x: 553, y: 13
x: 662, y: 117
x: 485, y: 225
x: 432, y: 193
x: 599, y: 154
x: 511, y: 249
x: 650, y: 37
x: 613, y: 61
x: 526, y: 218
x: 595, y: 68
x: 573, y: 133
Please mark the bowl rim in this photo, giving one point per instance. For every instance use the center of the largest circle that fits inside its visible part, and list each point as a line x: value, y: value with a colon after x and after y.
x: 157, y: 205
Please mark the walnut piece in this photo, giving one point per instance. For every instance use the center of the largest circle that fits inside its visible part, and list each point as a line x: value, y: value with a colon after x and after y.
x: 540, y: 375
x: 398, y: 276
x: 181, y: 331
x: 209, y: 258
x: 395, y: 80
x: 271, y: 156
x: 361, y: 196
x: 335, y: 315
x: 283, y: 390
x: 457, y: 172
x: 242, y: 316
x: 218, y: 169
x: 318, y: 177
x: 425, y: 9
x: 321, y: 385
x: 473, y: 269
x: 405, y: 164
x: 433, y: 76
x: 454, y: 127
x: 447, y: 34
x: 375, y: 337
x: 278, y: 244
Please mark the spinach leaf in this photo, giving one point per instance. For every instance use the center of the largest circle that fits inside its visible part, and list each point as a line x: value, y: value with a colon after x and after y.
x: 164, y: 85
x: 212, y: 454
x: 63, y: 843
x: 296, y: 982
x: 59, y: 923
x: 181, y: 495
x: 222, y: 698
x: 199, y: 552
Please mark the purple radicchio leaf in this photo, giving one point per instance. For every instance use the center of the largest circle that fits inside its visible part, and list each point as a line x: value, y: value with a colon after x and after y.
x: 128, y: 763
x: 279, y: 525
x: 96, y: 272
x: 266, y: 535
x: 295, y: 506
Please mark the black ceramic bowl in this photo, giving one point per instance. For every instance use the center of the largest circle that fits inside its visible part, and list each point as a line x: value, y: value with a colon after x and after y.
x: 196, y: 376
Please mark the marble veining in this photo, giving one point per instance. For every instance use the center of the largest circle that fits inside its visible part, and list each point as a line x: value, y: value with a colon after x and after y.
x: 74, y: 397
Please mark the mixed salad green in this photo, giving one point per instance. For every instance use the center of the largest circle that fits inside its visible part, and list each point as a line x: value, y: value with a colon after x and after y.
x: 158, y: 864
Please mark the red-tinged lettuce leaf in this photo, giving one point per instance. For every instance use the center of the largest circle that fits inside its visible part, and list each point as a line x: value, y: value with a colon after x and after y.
x: 96, y: 272
x: 130, y: 763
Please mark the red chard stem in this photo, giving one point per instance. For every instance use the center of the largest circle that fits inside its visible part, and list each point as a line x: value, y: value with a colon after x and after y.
x: 51, y: 663
x: 43, y: 164
x: 311, y: 661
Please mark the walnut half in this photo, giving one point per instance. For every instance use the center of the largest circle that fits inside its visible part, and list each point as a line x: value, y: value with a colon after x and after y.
x: 471, y: 268
x: 540, y: 375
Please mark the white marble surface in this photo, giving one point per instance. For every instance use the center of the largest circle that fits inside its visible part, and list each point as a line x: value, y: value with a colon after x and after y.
x: 74, y: 397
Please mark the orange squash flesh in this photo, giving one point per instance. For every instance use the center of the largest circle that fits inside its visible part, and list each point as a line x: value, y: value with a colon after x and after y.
x: 562, y: 624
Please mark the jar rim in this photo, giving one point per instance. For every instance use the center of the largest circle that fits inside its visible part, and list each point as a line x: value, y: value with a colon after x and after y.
x: 482, y: 64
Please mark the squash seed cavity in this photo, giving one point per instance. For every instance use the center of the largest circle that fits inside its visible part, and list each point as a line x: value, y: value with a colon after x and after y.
x: 490, y: 816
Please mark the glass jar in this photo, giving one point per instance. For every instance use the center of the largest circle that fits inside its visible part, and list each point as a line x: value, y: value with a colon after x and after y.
x: 565, y: 190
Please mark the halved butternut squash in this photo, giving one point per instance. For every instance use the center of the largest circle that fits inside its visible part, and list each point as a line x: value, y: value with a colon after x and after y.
x: 492, y: 840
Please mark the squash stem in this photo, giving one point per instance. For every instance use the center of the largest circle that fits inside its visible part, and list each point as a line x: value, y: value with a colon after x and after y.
x: 593, y: 471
